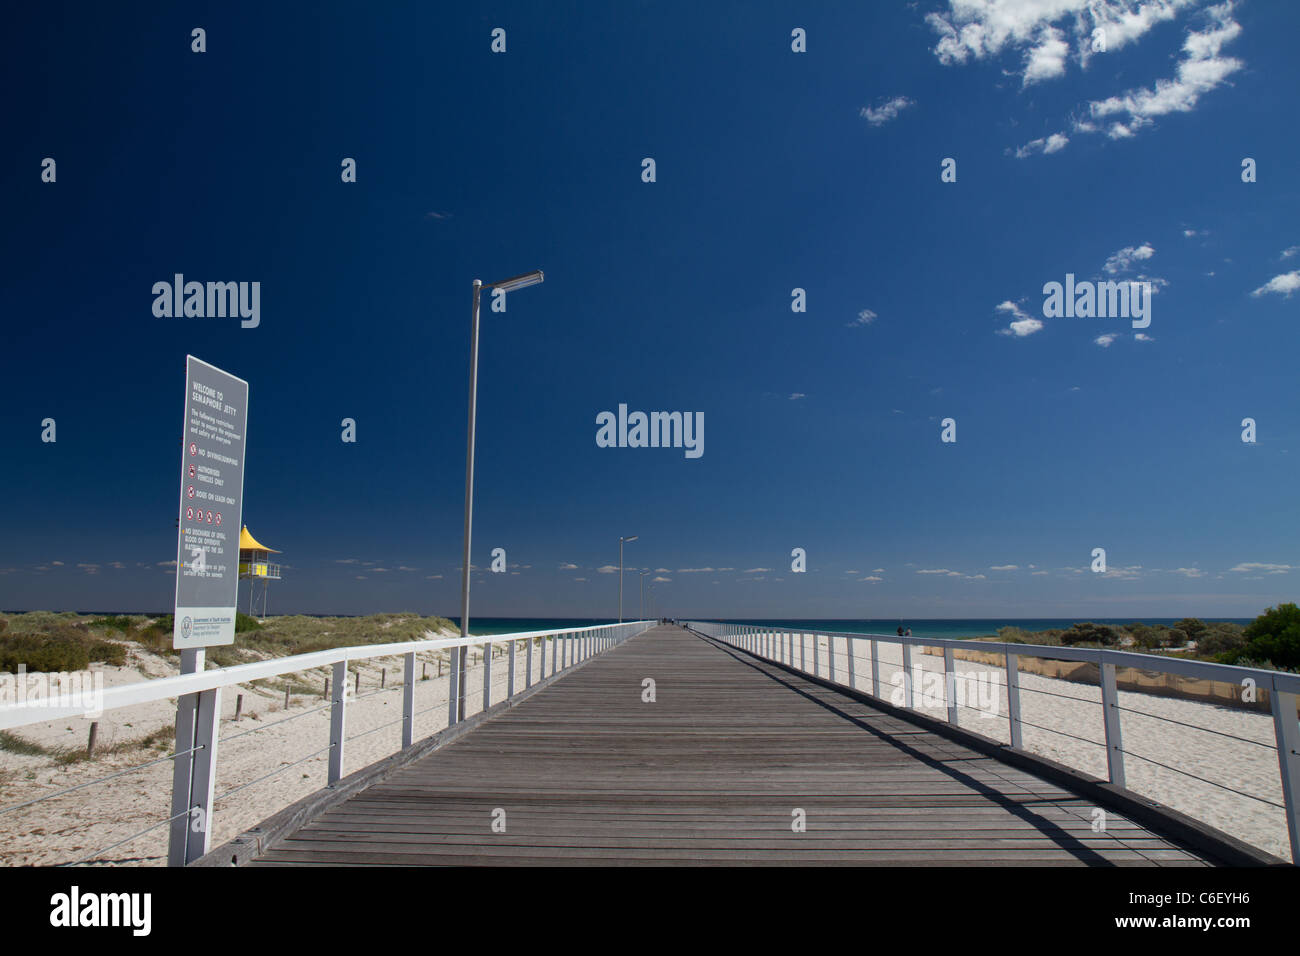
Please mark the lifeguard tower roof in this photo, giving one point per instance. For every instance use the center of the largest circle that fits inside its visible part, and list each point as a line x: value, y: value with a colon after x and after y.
x: 248, y: 543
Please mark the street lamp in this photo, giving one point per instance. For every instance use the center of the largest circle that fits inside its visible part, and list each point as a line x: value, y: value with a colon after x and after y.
x: 457, y: 700
x: 643, y: 574
x: 620, y: 574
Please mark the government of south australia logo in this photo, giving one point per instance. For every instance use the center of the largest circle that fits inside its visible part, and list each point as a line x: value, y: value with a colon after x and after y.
x: 187, y: 625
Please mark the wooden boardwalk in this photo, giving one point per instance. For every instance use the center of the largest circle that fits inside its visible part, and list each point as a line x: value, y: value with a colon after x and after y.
x: 712, y: 772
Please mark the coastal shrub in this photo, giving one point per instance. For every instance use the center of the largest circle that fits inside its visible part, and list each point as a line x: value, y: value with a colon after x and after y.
x: 3, y: 624
x: 41, y: 652
x: 1102, y: 635
x: 1273, y: 636
x: 1219, y: 638
x: 1193, y: 627
x: 1013, y: 635
x: 245, y: 622
x: 68, y: 648
x: 155, y: 635
x: 118, y: 622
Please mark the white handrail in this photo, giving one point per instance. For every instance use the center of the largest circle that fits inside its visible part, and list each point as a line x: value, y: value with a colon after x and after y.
x: 768, y: 642
x: 164, y: 688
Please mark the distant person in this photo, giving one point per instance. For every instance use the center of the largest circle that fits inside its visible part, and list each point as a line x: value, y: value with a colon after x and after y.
x: 909, y: 633
x: 900, y: 630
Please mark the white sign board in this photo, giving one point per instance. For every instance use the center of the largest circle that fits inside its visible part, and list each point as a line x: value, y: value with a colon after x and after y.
x: 212, y: 493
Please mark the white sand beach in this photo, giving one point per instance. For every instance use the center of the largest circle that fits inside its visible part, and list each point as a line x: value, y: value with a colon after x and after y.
x: 267, y: 738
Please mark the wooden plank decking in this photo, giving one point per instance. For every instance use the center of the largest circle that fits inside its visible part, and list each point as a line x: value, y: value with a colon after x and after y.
x: 711, y: 773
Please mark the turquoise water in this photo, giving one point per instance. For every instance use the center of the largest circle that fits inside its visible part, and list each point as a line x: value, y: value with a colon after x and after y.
x: 969, y: 627
x: 956, y: 628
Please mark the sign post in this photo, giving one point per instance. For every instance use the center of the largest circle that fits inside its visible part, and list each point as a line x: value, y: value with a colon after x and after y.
x: 207, y: 585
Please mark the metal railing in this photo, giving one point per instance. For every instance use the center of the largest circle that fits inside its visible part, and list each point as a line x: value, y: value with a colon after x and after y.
x: 199, y: 707
x: 778, y: 644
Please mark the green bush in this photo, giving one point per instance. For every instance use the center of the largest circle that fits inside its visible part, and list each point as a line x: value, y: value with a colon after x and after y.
x: 69, y: 647
x: 244, y: 622
x: 1193, y: 627
x: 1103, y: 635
x: 1219, y: 638
x: 120, y: 622
x: 1273, y: 636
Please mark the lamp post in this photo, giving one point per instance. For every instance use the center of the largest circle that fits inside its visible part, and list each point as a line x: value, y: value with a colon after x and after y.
x: 620, y: 574
x: 457, y: 698
x: 643, y: 574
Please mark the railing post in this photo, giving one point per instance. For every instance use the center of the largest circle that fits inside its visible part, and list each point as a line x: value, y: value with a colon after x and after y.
x: 817, y: 655
x: 205, y: 773
x: 875, y: 668
x: 1013, y: 699
x: 830, y: 655
x: 487, y: 675
x: 183, y: 764
x: 908, y: 700
x: 950, y: 684
x: 848, y: 649
x: 528, y: 663
x: 452, y: 689
x: 1287, y: 729
x: 541, y: 670
x: 510, y: 680
x: 408, y: 701
x: 803, y: 654
x: 339, y: 690
x: 1110, y: 713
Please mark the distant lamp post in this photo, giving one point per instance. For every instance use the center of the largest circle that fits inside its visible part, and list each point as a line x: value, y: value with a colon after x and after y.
x: 643, y: 574
x: 505, y: 285
x: 620, y: 574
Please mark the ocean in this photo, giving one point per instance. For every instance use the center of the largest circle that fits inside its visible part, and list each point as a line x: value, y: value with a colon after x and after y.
x: 949, y: 628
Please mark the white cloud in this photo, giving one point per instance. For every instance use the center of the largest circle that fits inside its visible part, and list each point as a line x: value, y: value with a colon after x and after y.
x: 661, y: 580
x: 1266, y: 568
x: 1201, y: 70
x: 1046, y: 61
x: 885, y: 110
x: 795, y: 396
x: 608, y: 569
x: 872, y: 577
x: 755, y: 570
x: 877, y: 570
x: 1288, y: 253
x: 865, y: 317
x: 1022, y: 323
x: 1005, y: 567
x: 1123, y: 260
x: 1142, y: 337
x: 1045, y: 145
x: 1105, y: 340
x: 934, y: 571
x: 979, y: 29
x: 1284, y: 284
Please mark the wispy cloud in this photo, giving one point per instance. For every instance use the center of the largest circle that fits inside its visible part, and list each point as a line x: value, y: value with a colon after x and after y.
x: 865, y: 317
x: 1123, y: 260
x: 885, y: 110
x: 1106, y: 340
x: 1022, y: 323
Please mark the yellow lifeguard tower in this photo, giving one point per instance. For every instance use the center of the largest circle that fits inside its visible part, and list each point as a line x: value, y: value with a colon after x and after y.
x: 255, y: 564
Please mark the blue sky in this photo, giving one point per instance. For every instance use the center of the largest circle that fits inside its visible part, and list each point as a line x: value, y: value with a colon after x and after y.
x: 775, y: 170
